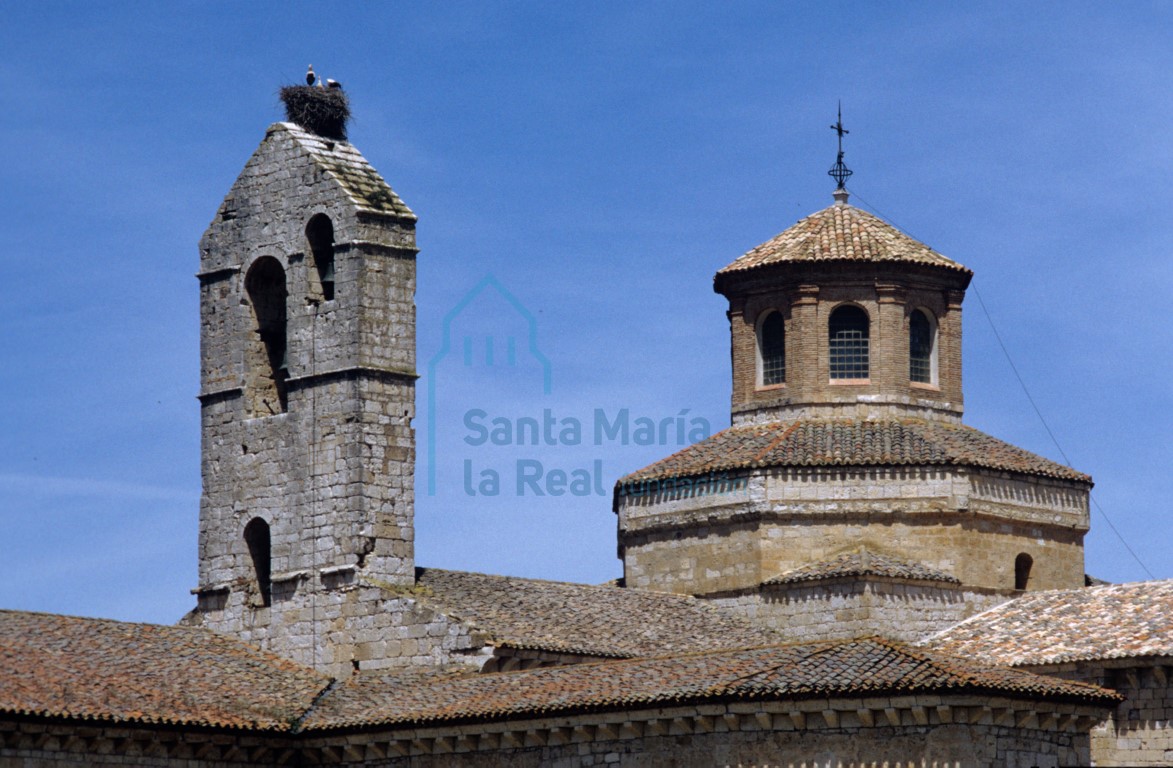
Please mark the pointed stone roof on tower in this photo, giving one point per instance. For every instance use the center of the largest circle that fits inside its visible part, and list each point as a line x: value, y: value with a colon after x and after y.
x: 841, y: 233
x: 346, y: 165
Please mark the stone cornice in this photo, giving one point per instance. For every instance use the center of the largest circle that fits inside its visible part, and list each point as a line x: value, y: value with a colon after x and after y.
x: 52, y: 738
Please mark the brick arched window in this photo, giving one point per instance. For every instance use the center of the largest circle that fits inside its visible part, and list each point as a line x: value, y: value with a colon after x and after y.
x: 256, y: 535
x: 1022, y: 566
x: 320, y: 234
x: 849, y: 336
x: 922, y: 348
x: 268, y: 368
x: 772, y: 349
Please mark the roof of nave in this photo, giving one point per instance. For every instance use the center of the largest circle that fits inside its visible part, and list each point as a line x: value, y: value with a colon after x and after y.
x: 1063, y: 625
x: 853, y: 668
x: 98, y: 669
x: 582, y: 619
x: 65, y: 667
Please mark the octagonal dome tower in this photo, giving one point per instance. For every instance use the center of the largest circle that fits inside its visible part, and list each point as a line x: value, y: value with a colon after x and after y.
x: 847, y: 486
x: 842, y: 315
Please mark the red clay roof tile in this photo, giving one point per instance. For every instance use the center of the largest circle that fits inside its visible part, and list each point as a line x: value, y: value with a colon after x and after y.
x: 852, y: 668
x: 584, y: 619
x: 66, y: 666
x: 841, y: 233
x: 1055, y: 626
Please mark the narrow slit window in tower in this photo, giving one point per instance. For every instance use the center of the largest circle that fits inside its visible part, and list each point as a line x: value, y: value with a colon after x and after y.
x: 256, y: 535
x: 320, y: 233
x: 849, y: 334
x: 268, y: 368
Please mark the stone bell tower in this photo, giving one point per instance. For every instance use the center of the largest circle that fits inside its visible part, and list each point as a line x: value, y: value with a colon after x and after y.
x: 307, y: 341
x: 848, y: 486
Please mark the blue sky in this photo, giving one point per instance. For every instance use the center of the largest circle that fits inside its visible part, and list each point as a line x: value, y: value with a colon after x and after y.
x: 600, y: 161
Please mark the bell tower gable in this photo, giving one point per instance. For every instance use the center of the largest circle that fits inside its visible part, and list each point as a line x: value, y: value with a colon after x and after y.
x: 307, y: 389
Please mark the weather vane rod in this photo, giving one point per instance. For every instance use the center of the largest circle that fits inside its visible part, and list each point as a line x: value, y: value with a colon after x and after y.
x: 840, y: 172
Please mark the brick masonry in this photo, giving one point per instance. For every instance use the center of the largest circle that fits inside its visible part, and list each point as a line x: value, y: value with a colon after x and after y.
x: 806, y: 298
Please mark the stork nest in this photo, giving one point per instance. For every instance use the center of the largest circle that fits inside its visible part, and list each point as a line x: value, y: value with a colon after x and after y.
x: 323, y: 111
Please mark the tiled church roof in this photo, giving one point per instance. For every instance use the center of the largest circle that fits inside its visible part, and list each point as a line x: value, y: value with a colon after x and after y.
x: 853, y: 668
x: 824, y: 443
x: 116, y: 672
x: 581, y: 618
x: 361, y: 182
x: 841, y: 233
x: 862, y: 563
x: 1109, y: 622
x: 96, y: 669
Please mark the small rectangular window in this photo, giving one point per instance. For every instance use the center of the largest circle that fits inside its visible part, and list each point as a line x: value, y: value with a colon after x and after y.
x: 772, y: 348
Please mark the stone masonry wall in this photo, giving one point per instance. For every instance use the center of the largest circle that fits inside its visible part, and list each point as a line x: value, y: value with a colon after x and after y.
x: 841, y: 733
x: 971, y: 524
x: 1140, y: 731
x: 920, y: 731
x: 955, y: 746
x: 343, y: 626
x: 332, y: 476
x: 37, y: 744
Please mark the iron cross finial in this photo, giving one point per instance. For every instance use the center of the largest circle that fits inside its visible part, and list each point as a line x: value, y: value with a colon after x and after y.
x: 838, y: 127
x: 840, y: 172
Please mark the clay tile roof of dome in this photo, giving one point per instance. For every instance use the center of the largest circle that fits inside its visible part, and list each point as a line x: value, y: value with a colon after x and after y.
x: 841, y: 233
x: 849, y: 442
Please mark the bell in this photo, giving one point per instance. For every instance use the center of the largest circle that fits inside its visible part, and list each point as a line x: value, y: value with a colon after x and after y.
x: 328, y: 280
